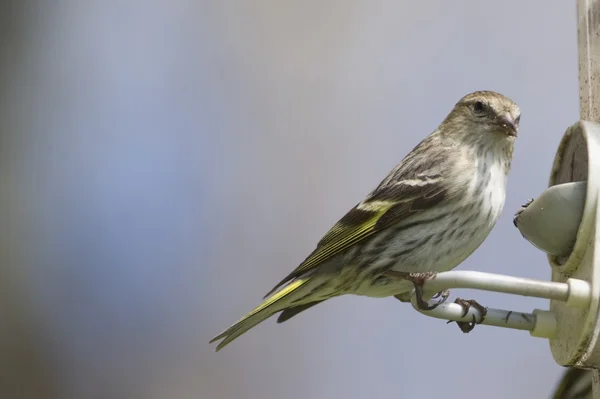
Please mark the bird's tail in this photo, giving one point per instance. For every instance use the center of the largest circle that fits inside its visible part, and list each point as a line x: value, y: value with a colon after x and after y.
x: 269, y: 307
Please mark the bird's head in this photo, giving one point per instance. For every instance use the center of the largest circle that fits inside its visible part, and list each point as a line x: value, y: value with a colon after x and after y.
x: 484, y: 116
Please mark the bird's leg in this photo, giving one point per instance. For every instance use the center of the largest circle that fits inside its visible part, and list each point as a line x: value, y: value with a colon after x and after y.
x: 464, y: 326
x: 523, y: 207
x: 418, y: 279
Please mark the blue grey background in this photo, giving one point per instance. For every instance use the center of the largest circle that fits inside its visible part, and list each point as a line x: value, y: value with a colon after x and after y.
x: 164, y: 163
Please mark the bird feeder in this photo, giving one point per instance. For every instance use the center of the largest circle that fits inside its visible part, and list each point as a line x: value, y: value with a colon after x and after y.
x: 563, y: 222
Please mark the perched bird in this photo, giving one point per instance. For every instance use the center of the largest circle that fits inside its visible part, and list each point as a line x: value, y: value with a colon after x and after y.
x: 575, y: 384
x: 428, y: 215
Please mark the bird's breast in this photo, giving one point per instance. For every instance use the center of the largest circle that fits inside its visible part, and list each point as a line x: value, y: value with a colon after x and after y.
x: 467, y: 220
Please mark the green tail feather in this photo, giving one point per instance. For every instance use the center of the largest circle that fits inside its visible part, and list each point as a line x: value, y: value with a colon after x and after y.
x: 259, y: 314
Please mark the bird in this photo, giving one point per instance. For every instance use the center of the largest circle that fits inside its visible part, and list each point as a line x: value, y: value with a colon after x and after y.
x: 430, y: 213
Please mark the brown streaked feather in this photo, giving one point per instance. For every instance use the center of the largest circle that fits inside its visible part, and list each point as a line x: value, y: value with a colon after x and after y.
x: 339, y: 238
x: 402, y: 210
x: 395, y: 202
x: 354, y: 217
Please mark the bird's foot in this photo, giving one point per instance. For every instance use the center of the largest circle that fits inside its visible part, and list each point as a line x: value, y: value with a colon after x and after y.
x: 464, y: 326
x: 418, y: 279
x: 523, y: 207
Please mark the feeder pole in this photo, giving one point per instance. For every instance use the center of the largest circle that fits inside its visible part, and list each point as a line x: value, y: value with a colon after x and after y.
x: 588, y: 41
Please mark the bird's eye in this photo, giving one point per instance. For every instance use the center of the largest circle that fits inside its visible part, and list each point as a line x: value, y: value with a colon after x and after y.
x: 479, y: 107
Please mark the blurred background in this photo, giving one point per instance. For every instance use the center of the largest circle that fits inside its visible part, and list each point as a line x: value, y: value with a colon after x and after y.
x: 165, y: 163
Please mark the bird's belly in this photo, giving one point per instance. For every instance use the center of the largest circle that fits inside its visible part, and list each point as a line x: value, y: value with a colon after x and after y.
x: 445, y: 255
x: 438, y: 248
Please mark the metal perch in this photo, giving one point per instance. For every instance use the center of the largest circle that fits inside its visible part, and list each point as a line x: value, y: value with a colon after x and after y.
x: 540, y: 323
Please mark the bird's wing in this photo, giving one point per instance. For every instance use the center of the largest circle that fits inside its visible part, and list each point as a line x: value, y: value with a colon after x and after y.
x: 410, y: 188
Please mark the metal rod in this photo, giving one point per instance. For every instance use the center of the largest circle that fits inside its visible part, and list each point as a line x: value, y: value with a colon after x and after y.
x: 494, y: 317
x: 497, y: 283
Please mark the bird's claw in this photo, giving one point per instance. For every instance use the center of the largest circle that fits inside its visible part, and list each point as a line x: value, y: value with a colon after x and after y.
x: 465, y: 326
x: 418, y: 282
x: 518, y: 213
x: 418, y: 279
x: 439, y: 297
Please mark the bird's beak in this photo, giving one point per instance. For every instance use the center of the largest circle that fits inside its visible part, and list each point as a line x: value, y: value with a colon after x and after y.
x: 507, y: 122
